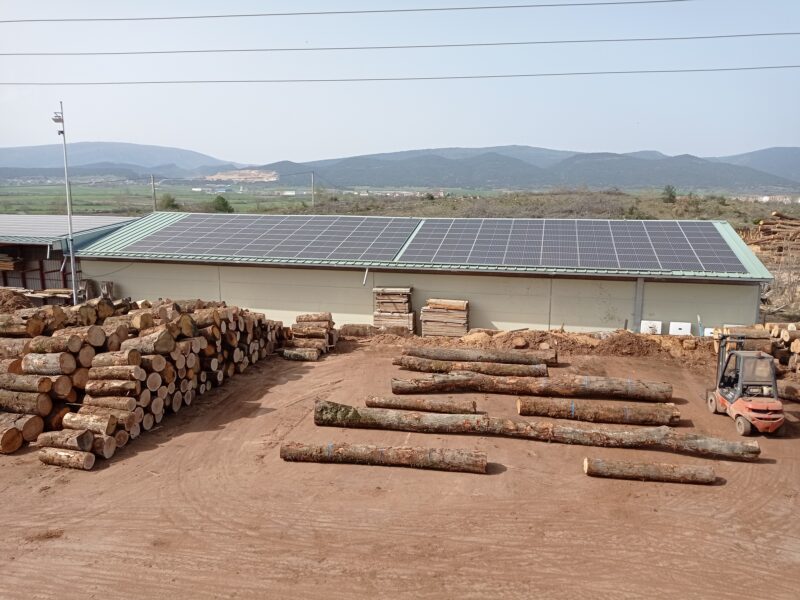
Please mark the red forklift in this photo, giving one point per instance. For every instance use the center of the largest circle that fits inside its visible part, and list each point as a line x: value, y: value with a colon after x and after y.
x: 746, y: 389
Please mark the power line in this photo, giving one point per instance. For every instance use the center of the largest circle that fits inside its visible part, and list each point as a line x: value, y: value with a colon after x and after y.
x: 412, y: 46
x: 344, y: 12
x: 411, y: 78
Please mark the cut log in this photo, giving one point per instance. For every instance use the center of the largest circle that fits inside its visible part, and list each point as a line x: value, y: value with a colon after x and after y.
x: 80, y: 316
x: 120, y: 358
x: 154, y: 363
x: 53, y: 421
x: 441, y: 459
x: 436, y: 405
x: 444, y: 304
x: 206, y: 317
x: 92, y: 335
x: 47, y: 345
x: 113, y: 387
x: 102, y: 306
x: 61, y: 385
x: 123, y: 418
x: 53, y: 316
x: 135, y: 431
x: 80, y: 377
x: 122, y: 438
x: 68, y: 439
x: 126, y: 373
x: 30, y: 426
x: 321, y: 345
x: 425, y: 365
x: 311, y: 317
x: 15, y: 326
x: 598, y: 411
x: 581, y: 386
x: 307, y: 330
x: 655, y: 438
x: 27, y: 403
x: 158, y: 342
x: 56, y: 363
x: 621, y: 469
x: 514, y: 357
x: 153, y: 382
x: 72, y: 459
x: 85, y: 356
x: 10, y: 438
x: 147, y: 421
x: 145, y: 398
x: 104, y: 445
x: 306, y: 354
x: 789, y: 390
x: 26, y: 383
x: 11, y: 365
x: 96, y: 423
x: 13, y: 348
x: 117, y: 402
x: 157, y: 406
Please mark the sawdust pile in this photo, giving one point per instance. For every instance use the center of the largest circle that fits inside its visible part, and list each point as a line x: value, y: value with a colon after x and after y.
x: 11, y: 301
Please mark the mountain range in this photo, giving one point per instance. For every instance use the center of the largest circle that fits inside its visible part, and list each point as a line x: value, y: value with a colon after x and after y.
x: 772, y: 170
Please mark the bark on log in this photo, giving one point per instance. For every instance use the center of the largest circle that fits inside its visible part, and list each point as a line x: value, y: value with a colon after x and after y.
x: 154, y: 363
x: 53, y: 421
x: 655, y: 438
x: 13, y: 347
x: 436, y: 405
x: 46, y: 345
x: 305, y: 354
x: 26, y: 383
x: 96, y: 423
x: 27, y: 403
x: 441, y: 459
x: 159, y: 342
x: 92, y: 335
x: 321, y: 345
x: 581, y: 386
x: 311, y: 317
x: 128, y: 373
x: 68, y: 439
x: 621, y: 469
x: 789, y: 390
x: 72, y: 459
x: 11, y: 365
x: 515, y: 357
x: 104, y: 445
x: 206, y: 317
x: 30, y: 426
x: 425, y: 365
x: 598, y: 411
x: 103, y: 306
x: 15, y: 326
x: 113, y: 387
x: 56, y: 363
x: 303, y: 330
x: 85, y: 356
x: 123, y: 418
x: 116, y: 402
x: 120, y: 358
x: 80, y: 316
x: 53, y: 316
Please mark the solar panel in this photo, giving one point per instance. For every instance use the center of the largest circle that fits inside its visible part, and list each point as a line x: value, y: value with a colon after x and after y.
x: 296, y: 237
x: 578, y: 243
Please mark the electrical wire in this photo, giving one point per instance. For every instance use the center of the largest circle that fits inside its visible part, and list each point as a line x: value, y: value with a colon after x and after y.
x: 410, y: 78
x: 410, y: 46
x: 344, y: 12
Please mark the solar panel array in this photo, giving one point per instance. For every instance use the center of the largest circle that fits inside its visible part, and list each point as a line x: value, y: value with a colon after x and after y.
x: 595, y: 244
x: 296, y: 237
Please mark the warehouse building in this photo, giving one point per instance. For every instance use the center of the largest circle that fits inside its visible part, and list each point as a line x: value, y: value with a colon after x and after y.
x: 583, y: 275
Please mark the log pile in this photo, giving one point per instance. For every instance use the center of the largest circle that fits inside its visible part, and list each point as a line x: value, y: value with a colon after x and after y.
x: 392, y: 308
x: 449, y: 318
x: 310, y: 337
x: 785, y: 342
x: 776, y: 237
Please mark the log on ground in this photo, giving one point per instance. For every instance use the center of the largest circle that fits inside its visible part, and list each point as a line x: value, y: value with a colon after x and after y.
x: 512, y: 357
x: 465, y: 461
x: 622, y: 469
x: 435, y: 405
x: 426, y: 365
x: 73, y: 459
x: 305, y: 354
x: 104, y: 445
x: 30, y: 426
x: 68, y: 439
x: 10, y: 438
x: 104, y: 424
x: 598, y: 411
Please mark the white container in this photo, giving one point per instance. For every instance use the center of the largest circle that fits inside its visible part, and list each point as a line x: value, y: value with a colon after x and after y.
x: 708, y: 332
x: 652, y: 327
x: 678, y: 328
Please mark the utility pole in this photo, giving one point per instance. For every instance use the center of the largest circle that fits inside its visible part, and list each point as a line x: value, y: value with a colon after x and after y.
x: 313, y: 194
x: 58, y: 118
x: 153, y: 187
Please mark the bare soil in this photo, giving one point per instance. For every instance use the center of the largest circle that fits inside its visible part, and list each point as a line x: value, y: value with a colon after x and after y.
x: 203, y: 507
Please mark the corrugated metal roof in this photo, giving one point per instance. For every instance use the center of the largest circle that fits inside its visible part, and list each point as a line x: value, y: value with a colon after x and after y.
x: 47, y: 229
x: 113, y: 246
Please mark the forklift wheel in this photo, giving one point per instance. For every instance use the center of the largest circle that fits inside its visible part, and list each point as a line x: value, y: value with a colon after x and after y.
x: 743, y: 426
x: 711, y: 402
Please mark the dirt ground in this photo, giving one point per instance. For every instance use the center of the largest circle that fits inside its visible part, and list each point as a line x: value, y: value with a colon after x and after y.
x: 203, y: 507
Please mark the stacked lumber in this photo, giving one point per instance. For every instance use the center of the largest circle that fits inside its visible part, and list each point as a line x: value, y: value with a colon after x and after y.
x: 310, y: 337
x: 775, y: 237
x: 442, y: 317
x: 7, y: 262
x: 392, y: 308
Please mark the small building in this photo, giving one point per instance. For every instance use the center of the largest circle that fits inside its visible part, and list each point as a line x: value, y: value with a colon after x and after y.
x: 36, y: 246
x: 582, y: 275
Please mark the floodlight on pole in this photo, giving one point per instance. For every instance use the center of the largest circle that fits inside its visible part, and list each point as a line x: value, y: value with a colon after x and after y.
x: 58, y: 118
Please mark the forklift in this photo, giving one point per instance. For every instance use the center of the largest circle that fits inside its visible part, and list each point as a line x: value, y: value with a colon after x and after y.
x: 746, y: 389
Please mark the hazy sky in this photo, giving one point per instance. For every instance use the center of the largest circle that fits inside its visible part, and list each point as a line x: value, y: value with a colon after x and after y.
x: 703, y: 114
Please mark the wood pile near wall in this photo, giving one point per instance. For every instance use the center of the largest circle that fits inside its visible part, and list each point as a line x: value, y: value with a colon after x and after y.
x: 310, y: 337
x: 393, y: 308
x: 441, y: 317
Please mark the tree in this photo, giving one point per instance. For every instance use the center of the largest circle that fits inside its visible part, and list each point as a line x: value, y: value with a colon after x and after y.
x: 669, y: 195
x: 168, y: 202
x: 221, y: 204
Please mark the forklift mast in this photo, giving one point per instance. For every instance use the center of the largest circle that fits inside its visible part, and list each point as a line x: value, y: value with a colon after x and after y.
x: 727, y: 343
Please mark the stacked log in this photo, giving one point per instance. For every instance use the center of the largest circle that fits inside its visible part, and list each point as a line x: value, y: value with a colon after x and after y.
x: 776, y: 237
x: 392, y: 308
x: 441, y: 317
x: 310, y: 337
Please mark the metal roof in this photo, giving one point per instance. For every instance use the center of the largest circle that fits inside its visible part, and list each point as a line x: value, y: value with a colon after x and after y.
x: 113, y: 246
x: 44, y: 230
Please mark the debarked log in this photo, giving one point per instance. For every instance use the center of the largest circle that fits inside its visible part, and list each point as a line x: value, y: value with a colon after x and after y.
x: 598, y: 411
x: 435, y: 405
x: 426, y: 365
x: 56, y: 363
x: 655, y: 438
x: 74, y: 459
x: 442, y: 459
x: 622, y: 469
x: 580, y: 386
x: 96, y: 423
x: 514, y: 357
x: 68, y: 439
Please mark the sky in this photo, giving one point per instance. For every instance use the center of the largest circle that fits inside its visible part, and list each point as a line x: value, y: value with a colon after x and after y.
x: 706, y: 114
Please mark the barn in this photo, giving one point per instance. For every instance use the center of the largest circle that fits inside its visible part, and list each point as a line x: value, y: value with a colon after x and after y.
x: 579, y: 274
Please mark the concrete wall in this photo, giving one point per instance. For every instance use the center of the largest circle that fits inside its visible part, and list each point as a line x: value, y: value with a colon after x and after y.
x: 495, y: 301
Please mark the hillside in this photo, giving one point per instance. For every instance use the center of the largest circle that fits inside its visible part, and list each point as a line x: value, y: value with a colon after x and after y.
x: 783, y: 162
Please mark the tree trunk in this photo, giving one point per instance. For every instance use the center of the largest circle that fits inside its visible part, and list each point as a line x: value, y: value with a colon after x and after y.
x: 52, y: 316
x: 116, y: 359
x: 80, y: 316
x: 113, y: 387
x: 104, y: 424
x: 789, y: 390
x: 53, y: 421
x: 425, y: 365
x: 27, y: 403
x: 29, y: 425
x: 206, y: 317
x: 26, y: 383
x: 654, y: 438
x: 159, y: 342
x: 153, y: 382
x: 126, y: 373
x: 435, y: 405
x: 562, y: 385
x: 307, y: 354
x: 13, y: 348
x: 56, y: 363
x: 11, y: 365
x: 620, y: 469
x: 123, y: 418
x: 92, y: 334
x: 72, y: 459
x: 80, y: 377
x: 148, y: 421
x: 61, y: 385
x: 46, y: 345
x: 514, y: 357
x: 320, y: 345
x: 154, y: 363
x: 465, y: 461
x: 306, y: 330
x: 10, y: 438
x: 135, y: 431
x: 104, y: 445
x: 68, y: 439
x: 122, y: 438
x: 145, y: 398
x: 598, y: 411
x: 116, y: 402
x: 14, y: 326
x: 103, y: 306
x: 85, y: 356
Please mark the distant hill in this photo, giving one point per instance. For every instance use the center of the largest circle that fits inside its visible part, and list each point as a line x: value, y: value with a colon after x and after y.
x: 783, y: 162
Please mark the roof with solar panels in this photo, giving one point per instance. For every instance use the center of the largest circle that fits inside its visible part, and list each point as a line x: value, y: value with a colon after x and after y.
x: 707, y: 250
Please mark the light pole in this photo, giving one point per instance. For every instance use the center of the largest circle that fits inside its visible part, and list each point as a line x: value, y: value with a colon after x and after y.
x: 58, y: 118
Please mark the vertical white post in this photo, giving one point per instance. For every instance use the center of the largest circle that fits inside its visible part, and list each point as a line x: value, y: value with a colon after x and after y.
x: 313, y: 194
x: 73, y: 271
